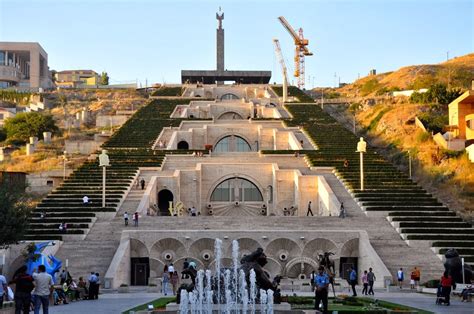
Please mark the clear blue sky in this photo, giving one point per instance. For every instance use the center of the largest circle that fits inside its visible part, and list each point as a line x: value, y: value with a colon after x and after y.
x: 154, y: 40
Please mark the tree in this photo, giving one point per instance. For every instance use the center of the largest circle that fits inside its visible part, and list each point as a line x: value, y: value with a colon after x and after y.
x: 104, y: 78
x: 26, y: 124
x: 14, y: 214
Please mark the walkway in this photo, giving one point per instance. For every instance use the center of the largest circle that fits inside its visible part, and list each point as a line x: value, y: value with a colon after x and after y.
x: 116, y: 303
x: 109, y: 303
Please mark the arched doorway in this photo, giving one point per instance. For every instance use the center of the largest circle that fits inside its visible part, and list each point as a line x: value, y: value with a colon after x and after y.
x: 183, y: 145
x: 230, y: 115
x: 229, y: 96
x: 232, y: 143
x: 164, y: 198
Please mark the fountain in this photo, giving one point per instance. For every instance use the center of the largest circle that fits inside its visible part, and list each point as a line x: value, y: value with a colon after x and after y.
x: 243, y: 288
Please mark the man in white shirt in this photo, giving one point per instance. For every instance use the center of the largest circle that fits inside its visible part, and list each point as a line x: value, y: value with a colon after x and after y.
x: 125, y: 218
x: 171, y: 268
x: 85, y: 200
x: 193, y: 211
x: 43, y: 284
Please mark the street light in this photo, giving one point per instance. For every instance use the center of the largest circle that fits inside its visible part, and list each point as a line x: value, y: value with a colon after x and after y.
x: 361, y: 148
x: 104, y: 163
x: 64, y: 164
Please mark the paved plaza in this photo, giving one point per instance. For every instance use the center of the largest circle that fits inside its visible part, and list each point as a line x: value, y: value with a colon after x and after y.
x: 116, y: 303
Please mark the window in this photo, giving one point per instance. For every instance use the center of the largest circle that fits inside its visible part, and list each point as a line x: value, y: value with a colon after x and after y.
x: 241, y: 145
x: 232, y: 143
x: 222, y: 145
x: 236, y: 189
x: 229, y: 96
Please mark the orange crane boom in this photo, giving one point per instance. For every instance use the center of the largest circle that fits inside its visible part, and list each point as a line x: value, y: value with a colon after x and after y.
x: 301, y: 50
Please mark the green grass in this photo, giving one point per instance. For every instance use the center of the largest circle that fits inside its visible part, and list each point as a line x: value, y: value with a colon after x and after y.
x: 158, y: 303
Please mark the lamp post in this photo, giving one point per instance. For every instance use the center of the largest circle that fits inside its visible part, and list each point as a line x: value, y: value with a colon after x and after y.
x: 361, y: 148
x: 64, y: 165
x: 322, y: 98
x: 104, y: 163
x: 409, y: 164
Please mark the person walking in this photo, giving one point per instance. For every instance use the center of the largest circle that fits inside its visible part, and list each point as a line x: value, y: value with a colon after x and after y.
x: 412, y: 279
x: 371, y: 278
x: 353, y: 280
x: 165, y: 280
x: 92, y: 282
x: 142, y: 183
x: 3, y: 289
x: 174, y: 278
x: 43, y: 285
x: 135, y: 219
x: 446, y: 283
x: 125, y: 218
x: 193, y: 211
x: 312, y: 277
x: 309, y: 210
x: 24, y: 285
x: 321, y: 283
x: 342, y: 211
x: 96, y: 286
x: 417, y: 276
x: 400, y: 277
x: 365, y: 283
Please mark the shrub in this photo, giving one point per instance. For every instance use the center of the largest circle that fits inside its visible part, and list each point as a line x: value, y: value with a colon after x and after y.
x: 26, y: 124
x: 433, y: 283
x: 370, y: 86
x: 422, y: 137
x: 434, y: 121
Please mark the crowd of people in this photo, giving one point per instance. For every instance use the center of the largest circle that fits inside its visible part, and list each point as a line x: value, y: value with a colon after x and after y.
x: 36, y: 291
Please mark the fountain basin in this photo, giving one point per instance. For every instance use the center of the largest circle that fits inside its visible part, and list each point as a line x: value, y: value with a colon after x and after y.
x: 277, y: 308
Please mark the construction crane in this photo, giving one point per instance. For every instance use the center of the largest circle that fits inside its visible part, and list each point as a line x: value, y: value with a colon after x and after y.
x: 301, y: 50
x: 283, y: 68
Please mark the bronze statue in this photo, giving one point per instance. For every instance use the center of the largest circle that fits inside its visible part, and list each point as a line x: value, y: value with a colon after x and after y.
x: 328, y: 264
x: 192, y: 273
x: 453, y: 266
x: 256, y: 261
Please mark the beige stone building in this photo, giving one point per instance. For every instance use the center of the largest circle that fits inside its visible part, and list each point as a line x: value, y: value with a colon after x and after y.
x: 24, y: 65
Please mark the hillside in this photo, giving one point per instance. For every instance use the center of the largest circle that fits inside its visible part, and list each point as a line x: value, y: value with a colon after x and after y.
x: 457, y: 73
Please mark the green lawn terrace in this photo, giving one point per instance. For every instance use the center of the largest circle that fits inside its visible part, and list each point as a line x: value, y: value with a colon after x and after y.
x: 64, y: 204
x: 294, y: 91
x: 416, y: 214
x: 143, y: 128
x: 168, y: 91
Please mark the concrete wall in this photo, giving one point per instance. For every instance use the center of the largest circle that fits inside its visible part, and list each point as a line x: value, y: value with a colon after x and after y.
x: 329, y: 205
x: 110, y: 120
x: 82, y: 147
x: 300, y: 247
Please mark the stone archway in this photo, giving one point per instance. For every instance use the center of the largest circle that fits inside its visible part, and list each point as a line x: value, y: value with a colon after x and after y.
x: 183, y: 145
x: 164, y: 198
x: 230, y: 115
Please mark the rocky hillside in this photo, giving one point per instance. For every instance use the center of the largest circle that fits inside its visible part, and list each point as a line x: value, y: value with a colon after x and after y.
x: 456, y: 73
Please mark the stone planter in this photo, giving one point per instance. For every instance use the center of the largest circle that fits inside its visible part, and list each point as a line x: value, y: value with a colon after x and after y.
x: 123, y: 289
x: 152, y: 289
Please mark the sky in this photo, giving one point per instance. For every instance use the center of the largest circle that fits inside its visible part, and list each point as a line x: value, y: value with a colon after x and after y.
x: 152, y: 41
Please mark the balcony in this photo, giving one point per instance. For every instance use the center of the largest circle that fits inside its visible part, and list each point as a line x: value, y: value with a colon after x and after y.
x: 9, y: 73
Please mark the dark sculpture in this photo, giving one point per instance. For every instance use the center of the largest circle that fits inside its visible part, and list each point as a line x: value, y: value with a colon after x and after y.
x: 192, y: 273
x: 329, y: 268
x: 256, y: 261
x: 453, y: 266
